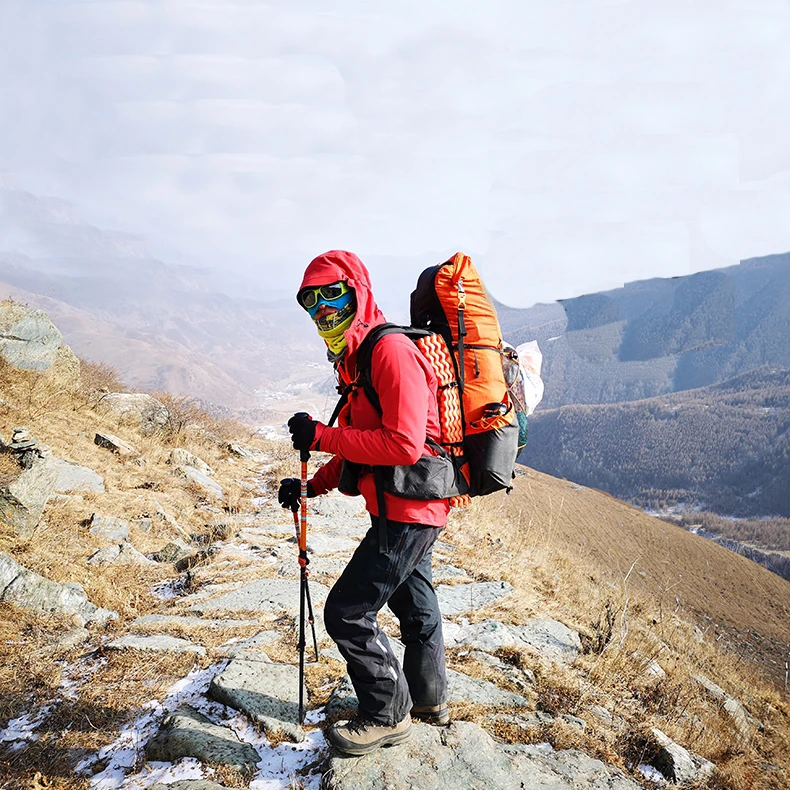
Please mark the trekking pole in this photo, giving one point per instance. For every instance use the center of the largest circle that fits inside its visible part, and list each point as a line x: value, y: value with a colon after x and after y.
x: 304, y: 590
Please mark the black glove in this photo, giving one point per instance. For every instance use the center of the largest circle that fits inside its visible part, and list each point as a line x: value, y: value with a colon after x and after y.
x: 290, y: 492
x: 302, y: 427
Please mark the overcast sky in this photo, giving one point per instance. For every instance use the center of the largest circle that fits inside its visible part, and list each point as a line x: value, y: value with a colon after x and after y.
x: 568, y: 145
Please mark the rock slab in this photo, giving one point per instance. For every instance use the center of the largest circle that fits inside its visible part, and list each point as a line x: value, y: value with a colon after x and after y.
x: 550, y: 638
x: 207, y: 486
x: 113, y: 443
x: 187, y: 733
x: 464, y: 757
x: 460, y: 688
x: 23, y: 499
x: 744, y: 723
x: 75, y: 479
x: 108, y: 529
x: 24, y: 588
x: 268, y: 693
x: 160, y: 643
x: 463, y: 598
x: 265, y: 595
x: 181, y: 457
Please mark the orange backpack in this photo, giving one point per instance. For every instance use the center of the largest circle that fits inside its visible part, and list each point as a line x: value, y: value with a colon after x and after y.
x: 451, y: 301
x: 454, y: 324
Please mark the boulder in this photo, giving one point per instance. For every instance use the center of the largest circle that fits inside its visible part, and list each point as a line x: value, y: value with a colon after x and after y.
x: 266, y: 692
x: 109, y: 530
x: 172, y: 552
x: 121, y: 554
x: 136, y: 408
x: 29, y: 590
x: 180, y: 457
x: 247, y: 453
x: 672, y: 760
x: 28, y: 339
x: 463, y: 598
x: 114, y: 444
x: 202, y: 557
x: 464, y: 757
x: 187, y: 733
x: 75, y: 479
x: 208, y: 487
x: 24, y: 497
x: 160, y: 643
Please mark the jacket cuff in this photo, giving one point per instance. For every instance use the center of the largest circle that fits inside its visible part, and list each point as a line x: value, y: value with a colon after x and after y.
x: 319, y: 432
x: 328, y: 438
x: 316, y: 488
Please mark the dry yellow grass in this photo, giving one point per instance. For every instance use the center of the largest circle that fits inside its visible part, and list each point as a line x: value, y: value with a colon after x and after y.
x: 638, y: 589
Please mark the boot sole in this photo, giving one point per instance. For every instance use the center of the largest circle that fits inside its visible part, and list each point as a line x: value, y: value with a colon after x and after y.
x: 358, y: 749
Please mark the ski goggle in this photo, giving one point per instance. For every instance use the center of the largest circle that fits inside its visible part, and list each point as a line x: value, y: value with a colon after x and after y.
x: 309, y: 297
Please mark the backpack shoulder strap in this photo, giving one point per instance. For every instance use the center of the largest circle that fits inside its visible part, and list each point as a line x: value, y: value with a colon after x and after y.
x: 365, y: 356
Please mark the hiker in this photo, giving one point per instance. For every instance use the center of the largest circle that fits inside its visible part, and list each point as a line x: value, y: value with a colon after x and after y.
x: 391, y: 567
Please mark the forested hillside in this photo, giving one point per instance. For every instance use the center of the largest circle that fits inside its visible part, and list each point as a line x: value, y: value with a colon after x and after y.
x: 724, y: 447
x: 660, y: 336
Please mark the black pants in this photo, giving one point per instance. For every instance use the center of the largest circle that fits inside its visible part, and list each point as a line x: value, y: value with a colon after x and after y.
x: 402, y: 579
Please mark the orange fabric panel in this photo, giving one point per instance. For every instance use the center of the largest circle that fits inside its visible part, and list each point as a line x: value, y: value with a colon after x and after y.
x: 458, y: 282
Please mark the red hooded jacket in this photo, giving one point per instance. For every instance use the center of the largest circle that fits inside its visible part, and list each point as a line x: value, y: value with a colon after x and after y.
x: 406, y: 386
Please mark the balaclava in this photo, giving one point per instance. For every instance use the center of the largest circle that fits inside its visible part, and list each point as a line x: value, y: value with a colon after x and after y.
x: 332, y: 327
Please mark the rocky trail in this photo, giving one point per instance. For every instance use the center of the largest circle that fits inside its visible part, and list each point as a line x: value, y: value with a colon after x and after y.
x: 236, y: 721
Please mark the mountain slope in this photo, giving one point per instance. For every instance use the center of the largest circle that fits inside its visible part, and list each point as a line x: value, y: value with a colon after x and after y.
x: 659, y: 336
x: 725, y: 447
x: 737, y: 601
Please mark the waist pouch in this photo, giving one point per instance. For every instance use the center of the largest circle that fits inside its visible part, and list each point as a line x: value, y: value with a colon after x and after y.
x: 431, y: 477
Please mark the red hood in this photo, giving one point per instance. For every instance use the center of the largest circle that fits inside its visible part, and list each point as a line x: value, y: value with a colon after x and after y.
x: 341, y: 265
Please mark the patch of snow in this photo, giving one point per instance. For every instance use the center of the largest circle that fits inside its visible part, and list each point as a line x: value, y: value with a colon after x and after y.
x: 245, y: 550
x: 22, y: 729
x: 544, y: 747
x: 166, y: 773
x: 652, y: 775
x: 127, y: 749
x: 168, y: 589
x: 278, y: 765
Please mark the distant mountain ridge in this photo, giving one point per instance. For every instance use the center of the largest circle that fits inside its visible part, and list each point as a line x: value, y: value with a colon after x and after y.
x: 660, y: 336
x: 724, y: 448
x: 162, y: 326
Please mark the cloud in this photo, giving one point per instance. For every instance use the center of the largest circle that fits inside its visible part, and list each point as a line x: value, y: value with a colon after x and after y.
x: 608, y: 140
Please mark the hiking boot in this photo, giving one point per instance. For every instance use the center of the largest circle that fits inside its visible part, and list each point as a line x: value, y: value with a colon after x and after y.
x: 362, y: 735
x: 432, y: 714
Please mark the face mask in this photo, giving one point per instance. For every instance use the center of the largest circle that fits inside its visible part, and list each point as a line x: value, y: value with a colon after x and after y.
x: 331, y: 327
